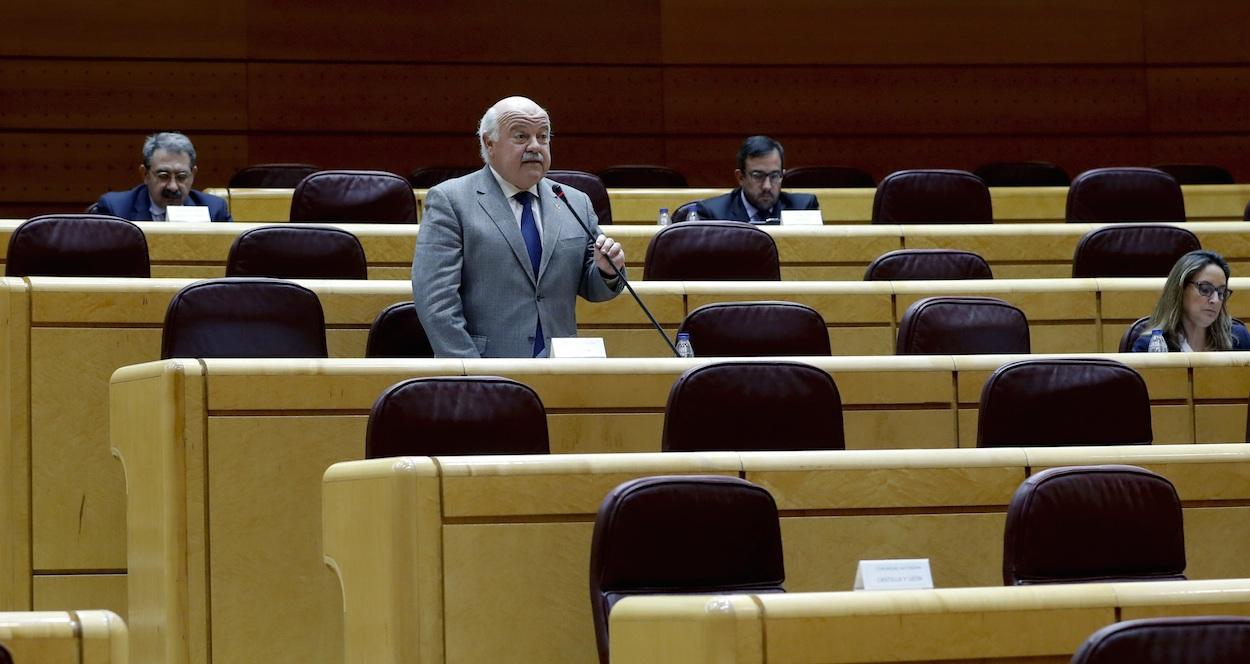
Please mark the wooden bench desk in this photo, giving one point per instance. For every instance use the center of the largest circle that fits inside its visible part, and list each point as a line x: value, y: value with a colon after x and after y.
x: 222, y: 457
x: 64, y: 637
x: 1041, y: 624
x: 441, y: 559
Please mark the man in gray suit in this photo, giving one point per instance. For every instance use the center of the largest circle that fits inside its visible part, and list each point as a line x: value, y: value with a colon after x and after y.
x: 500, y: 260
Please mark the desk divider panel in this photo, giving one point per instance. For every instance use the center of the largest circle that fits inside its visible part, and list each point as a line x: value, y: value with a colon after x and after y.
x: 1041, y: 624
x: 492, y: 533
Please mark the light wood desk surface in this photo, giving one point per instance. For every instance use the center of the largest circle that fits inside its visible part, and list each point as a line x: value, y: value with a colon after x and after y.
x: 1041, y: 624
x: 64, y: 637
x: 241, y: 444
x: 839, y: 206
x: 440, y: 559
x: 807, y: 253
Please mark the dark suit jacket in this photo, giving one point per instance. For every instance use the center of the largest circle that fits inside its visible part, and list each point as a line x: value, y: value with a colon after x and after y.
x: 134, y: 204
x: 729, y: 207
x: 1241, y: 341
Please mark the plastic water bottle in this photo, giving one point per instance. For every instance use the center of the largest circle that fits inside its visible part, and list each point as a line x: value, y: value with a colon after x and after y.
x: 693, y: 214
x: 684, y: 349
x: 1157, y: 343
x: 663, y: 221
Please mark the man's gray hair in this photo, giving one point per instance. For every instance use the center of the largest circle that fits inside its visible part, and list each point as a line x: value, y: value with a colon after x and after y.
x: 169, y: 141
x: 489, y: 124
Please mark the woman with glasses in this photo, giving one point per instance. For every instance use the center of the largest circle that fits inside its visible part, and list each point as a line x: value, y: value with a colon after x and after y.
x: 1192, y: 312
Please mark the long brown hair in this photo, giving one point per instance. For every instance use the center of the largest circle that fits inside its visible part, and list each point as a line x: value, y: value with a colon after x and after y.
x: 1170, y: 312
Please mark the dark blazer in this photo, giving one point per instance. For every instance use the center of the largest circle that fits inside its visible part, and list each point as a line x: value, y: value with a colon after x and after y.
x: 729, y: 207
x: 1241, y: 341
x: 134, y: 204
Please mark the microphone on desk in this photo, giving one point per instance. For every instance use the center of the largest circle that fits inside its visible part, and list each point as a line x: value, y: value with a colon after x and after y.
x: 559, y: 192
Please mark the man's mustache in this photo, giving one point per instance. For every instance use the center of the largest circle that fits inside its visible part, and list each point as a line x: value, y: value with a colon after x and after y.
x: 171, y: 195
x: 532, y: 156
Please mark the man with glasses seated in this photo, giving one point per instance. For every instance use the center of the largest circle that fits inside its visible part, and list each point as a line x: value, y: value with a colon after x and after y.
x: 1192, y: 311
x: 758, y: 198
x: 168, y: 170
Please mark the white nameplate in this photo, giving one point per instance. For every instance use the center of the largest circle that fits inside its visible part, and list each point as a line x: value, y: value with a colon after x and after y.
x: 187, y: 213
x: 801, y: 218
x: 577, y: 347
x: 905, y: 574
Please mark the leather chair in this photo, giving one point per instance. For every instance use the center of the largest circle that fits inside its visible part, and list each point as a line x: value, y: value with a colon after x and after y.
x: 1125, y: 194
x: 828, y: 177
x: 1067, y: 401
x: 754, y: 329
x: 424, y: 178
x: 1023, y: 174
x: 592, y: 186
x: 456, y: 415
x: 244, y: 317
x: 290, y: 251
x: 642, y: 177
x: 1089, y: 524
x: 962, y: 326
x: 682, y: 213
x: 927, y: 264
x: 1132, y: 250
x: 753, y: 406
x: 932, y: 196
x: 397, y: 332
x: 682, y: 535
x: 1246, y: 215
x: 77, y: 245
x: 712, y: 251
x: 354, y: 196
x: 1190, y: 640
x: 271, y: 176
x: 1138, y: 328
x: 1197, y: 173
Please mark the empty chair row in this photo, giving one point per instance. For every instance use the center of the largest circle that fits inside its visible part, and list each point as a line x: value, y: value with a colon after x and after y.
x: 719, y: 535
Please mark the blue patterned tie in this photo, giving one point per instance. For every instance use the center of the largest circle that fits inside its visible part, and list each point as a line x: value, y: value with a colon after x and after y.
x: 534, y: 245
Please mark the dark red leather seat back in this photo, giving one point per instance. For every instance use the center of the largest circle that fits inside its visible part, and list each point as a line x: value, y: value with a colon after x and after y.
x: 753, y: 329
x: 77, y: 245
x: 962, y: 326
x: 354, y: 196
x: 244, y: 317
x: 271, y: 176
x: 932, y: 196
x: 291, y: 251
x: 1022, y: 174
x: 1125, y: 194
x: 1132, y: 250
x: 712, y: 251
x: 397, y: 332
x: 927, y: 264
x: 1190, y: 640
x: 592, y: 186
x: 1197, y: 173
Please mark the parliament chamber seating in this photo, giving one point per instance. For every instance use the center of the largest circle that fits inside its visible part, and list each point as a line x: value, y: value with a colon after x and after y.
x: 292, y: 251
x: 455, y: 416
x: 244, y: 317
x: 1246, y: 215
x: 682, y: 213
x: 515, y: 531
x: 429, y: 176
x: 1210, y: 639
x: 271, y: 176
x: 961, y: 326
x: 397, y: 332
x: 1022, y: 174
x: 77, y: 245
x: 353, y: 196
x: 1132, y: 250
x: 827, y: 177
x: 927, y: 264
x: 1125, y: 194
x: 712, y: 250
x: 932, y: 196
x: 592, y: 186
x: 640, y: 176
x: 63, y: 637
x: 753, y: 406
x: 1064, y: 401
x: 1197, y: 173
x: 753, y: 329
x: 1092, y: 524
x: 693, y: 535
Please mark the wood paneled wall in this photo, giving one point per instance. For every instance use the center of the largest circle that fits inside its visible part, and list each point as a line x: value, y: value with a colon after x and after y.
x: 880, y: 84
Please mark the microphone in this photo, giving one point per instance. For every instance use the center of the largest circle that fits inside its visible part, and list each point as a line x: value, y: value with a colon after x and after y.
x: 559, y: 192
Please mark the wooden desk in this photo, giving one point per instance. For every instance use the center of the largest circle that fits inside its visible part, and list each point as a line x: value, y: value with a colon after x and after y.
x: 222, y: 458
x: 440, y: 560
x: 839, y: 206
x: 1014, y: 251
x: 1040, y: 624
x: 68, y: 637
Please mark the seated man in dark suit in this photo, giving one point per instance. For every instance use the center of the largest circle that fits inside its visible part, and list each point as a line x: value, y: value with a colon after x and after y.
x: 758, y: 198
x: 168, y: 169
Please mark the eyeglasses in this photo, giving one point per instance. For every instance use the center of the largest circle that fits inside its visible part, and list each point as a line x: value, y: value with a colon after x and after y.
x: 1206, y: 290
x: 760, y: 176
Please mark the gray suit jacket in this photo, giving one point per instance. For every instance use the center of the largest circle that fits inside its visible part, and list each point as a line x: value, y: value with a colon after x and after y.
x: 472, y: 282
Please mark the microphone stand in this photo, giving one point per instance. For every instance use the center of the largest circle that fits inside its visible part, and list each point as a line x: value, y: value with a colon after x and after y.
x: 559, y: 192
